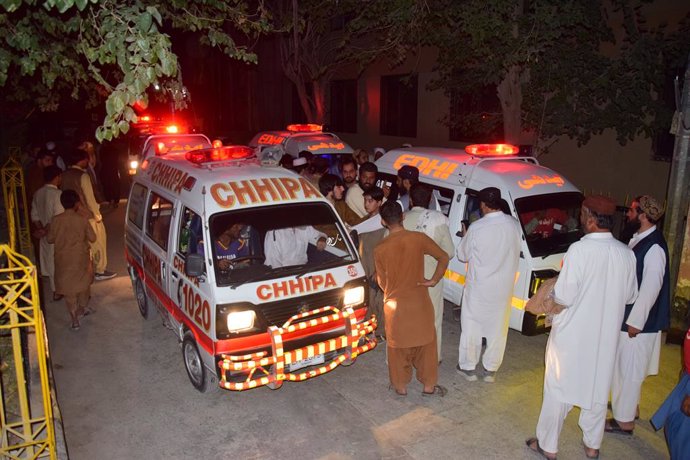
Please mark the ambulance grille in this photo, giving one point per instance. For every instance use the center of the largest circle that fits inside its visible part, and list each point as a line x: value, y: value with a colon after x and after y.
x: 277, y: 313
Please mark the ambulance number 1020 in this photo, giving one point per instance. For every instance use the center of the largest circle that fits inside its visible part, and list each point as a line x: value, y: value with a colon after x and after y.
x: 196, y: 308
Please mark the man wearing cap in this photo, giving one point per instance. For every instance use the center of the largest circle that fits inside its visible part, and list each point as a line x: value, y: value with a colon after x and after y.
x: 491, y: 247
x: 407, y: 177
x: 639, y: 343
x: 355, y: 194
x: 596, y: 282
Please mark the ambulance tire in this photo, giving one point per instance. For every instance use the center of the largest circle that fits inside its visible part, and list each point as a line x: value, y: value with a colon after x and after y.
x: 198, y: 374
x: 142, y: 300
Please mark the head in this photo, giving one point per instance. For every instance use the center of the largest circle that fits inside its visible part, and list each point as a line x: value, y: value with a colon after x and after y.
x: 307, y: 155
x: 378, y: 153
x: 407, y: 177
x: 79, y: 158
x: 596, y: 214
x: 420, y: 195
x: 299, y: 164
x: 489, y: 200
x: 373, y: 198
x: 361, y: 156
x: 391, y: 214
x: 286, y: 161
x: 69, y: 199
x: 319, y: 166
x: 230, y: 234
x: 331, y: 186
x: 644, y: 212
x: 52, y: 175
x: 45, y: 159
x: 367, y: 175
x: 348, y: 169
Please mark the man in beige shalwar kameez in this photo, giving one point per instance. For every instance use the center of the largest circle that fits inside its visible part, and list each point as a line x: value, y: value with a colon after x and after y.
x: 71, y: 234
x: 410, y: 331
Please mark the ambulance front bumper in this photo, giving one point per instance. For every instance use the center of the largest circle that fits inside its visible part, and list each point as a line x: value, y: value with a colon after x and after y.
x: 272, y: 370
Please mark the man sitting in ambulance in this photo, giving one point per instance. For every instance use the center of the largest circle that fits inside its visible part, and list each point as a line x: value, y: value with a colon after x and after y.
x: 289, y: 246
x: 230, y: 245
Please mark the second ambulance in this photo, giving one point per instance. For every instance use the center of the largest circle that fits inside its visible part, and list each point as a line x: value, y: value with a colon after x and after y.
x: 249, y: 265
x: 544, y: 202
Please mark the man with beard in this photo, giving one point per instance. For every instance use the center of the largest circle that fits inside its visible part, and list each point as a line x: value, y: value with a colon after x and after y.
x: 639, y: 342
x: 595, y: 284
x: 355, y: 195
x: 348, y: 171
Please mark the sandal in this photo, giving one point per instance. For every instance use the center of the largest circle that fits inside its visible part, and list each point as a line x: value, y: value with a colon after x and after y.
x: 75, y: 326
x: 439, y: 391
x: 589, y: 450
x: 612, y: 426
x: 533, y: 445
x: 86, y: 312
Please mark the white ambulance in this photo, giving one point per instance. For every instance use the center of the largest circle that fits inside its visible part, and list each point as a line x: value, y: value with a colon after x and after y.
x: 141, y: 148
x: 544, y: 202
x: 249, y: 265
x: 310, y: 138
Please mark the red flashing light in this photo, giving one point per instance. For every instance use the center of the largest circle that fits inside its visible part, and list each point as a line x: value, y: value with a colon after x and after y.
x: 144, y: 118
x: 491, y: 150
x: 219, y: 154
x: 172, y: 129
x: 161, y: 148
x: 217, y: 143
x: 305, y: 128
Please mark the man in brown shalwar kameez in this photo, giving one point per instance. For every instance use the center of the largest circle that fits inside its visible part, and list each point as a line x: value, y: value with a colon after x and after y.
x: 409, y: 313
x: 71, y: 234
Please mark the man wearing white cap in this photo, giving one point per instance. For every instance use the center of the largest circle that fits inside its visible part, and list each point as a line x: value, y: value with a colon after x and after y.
x: 639, y: 343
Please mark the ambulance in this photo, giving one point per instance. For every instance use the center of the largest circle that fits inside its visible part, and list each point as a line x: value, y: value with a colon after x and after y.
x: 542, y: 200
x: 297, y: 138
x: 250, y: 267
x: 170, y: 142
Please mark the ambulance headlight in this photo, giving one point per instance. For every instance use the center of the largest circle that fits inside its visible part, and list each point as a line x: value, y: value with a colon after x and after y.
x: 353, y: 296
x: 239, y: 321
x: 134, y: 164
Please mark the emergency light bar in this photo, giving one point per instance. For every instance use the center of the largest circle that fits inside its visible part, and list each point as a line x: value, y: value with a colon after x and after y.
x: 305, y: 128
x: 161, y: 148
x: 217, y: 143
x: 491, y: 150
x: 172, y: 129
x: 233, y: 152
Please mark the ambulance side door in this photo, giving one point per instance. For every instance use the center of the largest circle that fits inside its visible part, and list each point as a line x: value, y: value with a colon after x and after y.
x: 159, y: 218
x: 193, y: 295
x: 465, y: 209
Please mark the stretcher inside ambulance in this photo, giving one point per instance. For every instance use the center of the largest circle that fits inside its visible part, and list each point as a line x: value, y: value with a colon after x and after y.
x: 544, y: 202
x: 249, y: 265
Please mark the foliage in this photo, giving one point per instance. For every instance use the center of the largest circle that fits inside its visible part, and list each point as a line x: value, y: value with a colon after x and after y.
x: 111, y: 50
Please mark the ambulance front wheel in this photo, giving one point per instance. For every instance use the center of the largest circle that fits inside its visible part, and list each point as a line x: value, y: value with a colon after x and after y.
x: 198, y: 374
x: 142, y: 300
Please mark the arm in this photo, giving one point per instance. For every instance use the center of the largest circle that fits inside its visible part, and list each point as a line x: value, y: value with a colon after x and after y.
x: 442, y: 236
x: 52, y: 233
x: 380, y: 270
x: 652, y: 280
x: 90, y: 233
x: 435, y: 251
x: 465, y: 246
x: 568, y: 285
x: 347, y: 214
x: 91, y: 203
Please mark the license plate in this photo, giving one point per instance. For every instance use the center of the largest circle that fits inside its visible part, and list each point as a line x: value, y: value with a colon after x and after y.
x: 314, y: 360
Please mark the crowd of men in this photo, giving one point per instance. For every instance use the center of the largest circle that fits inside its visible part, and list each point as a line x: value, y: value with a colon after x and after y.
x: 67, y: 225
x: 615, y: 300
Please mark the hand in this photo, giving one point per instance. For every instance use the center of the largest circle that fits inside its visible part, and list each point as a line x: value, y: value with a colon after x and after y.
x: 223, y: 264
x: 685, y: 405
x: 386, y: 191
x: 321, y: 244
x: 427, y: 283
x: 632, y: 332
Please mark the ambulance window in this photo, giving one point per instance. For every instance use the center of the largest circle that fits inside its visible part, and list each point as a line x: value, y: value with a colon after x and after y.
x: 158, y: 222
x: 135, y: 206
x: 442, y: 199
x: 190, y: 238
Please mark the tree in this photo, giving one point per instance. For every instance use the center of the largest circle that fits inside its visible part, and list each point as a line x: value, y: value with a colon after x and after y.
x: 111, y: 51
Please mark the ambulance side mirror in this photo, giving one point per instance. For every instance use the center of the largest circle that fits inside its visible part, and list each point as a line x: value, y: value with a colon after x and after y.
x: 354, y: 236
x: 194, y: 265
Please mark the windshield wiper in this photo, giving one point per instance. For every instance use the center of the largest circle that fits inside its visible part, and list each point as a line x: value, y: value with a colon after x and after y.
x: 322, y: 265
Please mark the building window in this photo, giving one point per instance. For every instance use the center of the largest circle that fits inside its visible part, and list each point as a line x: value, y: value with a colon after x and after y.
x: 475, y: 116
x: 344, y: 106
x: 399, y: 105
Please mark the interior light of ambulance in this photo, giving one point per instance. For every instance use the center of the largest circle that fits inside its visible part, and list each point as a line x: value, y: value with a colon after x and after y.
x: 161, y: 148
x: 305, y: 128
x: 239, y: 321
x: 217, y: 143
x: 219, y: 154
x: 172, y: 129
x: 491, y: 150
x: 353, y: 296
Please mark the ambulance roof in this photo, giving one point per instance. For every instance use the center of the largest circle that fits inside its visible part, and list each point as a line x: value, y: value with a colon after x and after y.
x: 522, y: 176
x: 316, y: 142
x: 228, y: 184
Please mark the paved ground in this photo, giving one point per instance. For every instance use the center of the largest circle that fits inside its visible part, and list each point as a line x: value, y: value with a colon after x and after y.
x: 124, y: 393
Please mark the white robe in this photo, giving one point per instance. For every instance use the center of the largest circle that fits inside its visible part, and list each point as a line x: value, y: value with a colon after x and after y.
x: 492, y: 249
x: 354, y: 198
x: 44, y: 206
x: 597, y: 280
x: 435, y: 225
x: 288, y: 246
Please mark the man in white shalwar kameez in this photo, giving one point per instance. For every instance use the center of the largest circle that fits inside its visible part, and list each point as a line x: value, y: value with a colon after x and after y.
x: 435, y: 225
x: 288, y: 246
x: 596, y: 282
x: 491, y: 247
x: 639, y: 344
x: 44, y: 206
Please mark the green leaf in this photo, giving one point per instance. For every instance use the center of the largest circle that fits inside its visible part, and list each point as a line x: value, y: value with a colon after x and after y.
x: 144, y: 22
x: 123, y: 126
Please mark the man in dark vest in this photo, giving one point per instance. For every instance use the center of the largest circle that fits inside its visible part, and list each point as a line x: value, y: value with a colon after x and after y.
x: 639, y: 343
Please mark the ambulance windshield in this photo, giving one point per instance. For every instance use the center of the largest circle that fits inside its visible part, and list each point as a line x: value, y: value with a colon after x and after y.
x: 550, y: 222
x: 276, y: 241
